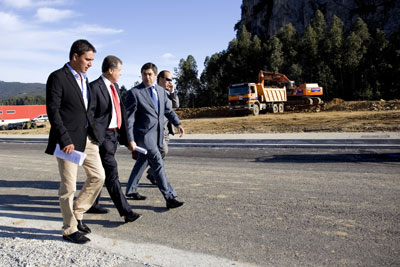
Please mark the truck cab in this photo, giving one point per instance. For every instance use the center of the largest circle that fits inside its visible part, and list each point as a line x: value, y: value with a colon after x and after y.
x: 244, y: 96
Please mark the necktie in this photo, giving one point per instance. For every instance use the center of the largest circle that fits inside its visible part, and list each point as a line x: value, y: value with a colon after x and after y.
x: 154, y: 96
x: 116, y: 105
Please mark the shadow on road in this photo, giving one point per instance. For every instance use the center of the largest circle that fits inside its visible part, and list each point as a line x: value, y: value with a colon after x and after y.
x: 312, y: 158
x: 26, y: 207
x: 49, y: 185
x: 29, y: 233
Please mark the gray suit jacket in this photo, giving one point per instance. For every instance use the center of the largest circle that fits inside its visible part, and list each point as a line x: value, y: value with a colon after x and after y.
x: 145, y: 125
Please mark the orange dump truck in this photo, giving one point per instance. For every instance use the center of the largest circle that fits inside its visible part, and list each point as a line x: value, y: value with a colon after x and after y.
x: 255, y: 98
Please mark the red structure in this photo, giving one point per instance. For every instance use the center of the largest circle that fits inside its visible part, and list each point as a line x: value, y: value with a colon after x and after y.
x: 13, y: 114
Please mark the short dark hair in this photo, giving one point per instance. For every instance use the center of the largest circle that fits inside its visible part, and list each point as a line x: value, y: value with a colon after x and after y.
x: 161, y: 74
x: 148, y: 66
x: 80, y: 47
x: 110, y: 62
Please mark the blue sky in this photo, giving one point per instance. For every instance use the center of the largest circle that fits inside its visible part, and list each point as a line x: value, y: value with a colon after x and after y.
x: 36, y: 35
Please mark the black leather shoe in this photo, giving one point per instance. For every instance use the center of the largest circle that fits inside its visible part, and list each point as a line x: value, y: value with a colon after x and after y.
x: 83, y: 228
x: 132, y: 216
x: 136, y: 196
x: 173, y: 203
x: 77, y: 238
x: 97, y: 210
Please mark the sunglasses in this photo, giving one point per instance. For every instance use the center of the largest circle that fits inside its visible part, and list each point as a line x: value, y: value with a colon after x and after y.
x: 168, y: 79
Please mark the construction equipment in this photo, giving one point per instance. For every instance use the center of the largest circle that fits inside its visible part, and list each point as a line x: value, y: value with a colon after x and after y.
x: 304, y: 95
x: 255, y: 98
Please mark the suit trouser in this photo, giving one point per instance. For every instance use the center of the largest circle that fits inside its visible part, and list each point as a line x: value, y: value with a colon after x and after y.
x: 71, y: 212
x: 163, y: 151
x: 154, y: 159
x: 107, y: 153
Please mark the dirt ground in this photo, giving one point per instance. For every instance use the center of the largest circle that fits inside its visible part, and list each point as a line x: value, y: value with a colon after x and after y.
x: 335, y: 116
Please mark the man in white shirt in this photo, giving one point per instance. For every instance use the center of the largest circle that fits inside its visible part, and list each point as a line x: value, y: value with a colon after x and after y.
x: 110, y: 126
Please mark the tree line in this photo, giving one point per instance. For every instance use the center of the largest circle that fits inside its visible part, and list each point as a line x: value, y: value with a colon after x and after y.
x: 24, y: 100
x: 354, y: 65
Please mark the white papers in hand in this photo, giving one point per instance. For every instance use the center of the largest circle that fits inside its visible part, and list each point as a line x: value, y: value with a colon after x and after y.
x: 141, y: 150
x: 75, y: 157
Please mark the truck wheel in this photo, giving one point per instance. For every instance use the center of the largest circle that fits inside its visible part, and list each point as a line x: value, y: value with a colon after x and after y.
x: 256, y: 110
x: 281, y: 107
x: 275, y: 108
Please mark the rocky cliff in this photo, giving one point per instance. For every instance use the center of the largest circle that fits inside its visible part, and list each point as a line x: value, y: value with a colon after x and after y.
x: 266, y: 17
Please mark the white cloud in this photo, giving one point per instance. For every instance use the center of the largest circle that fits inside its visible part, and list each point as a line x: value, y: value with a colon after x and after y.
x: 9, y: 22
x: 95, y: 29
x: 168, y: 56
x: 17, y: 3
x: 47, y: 14
x: 31, y: 3
x: 169, y: 59
x: 30, y: 50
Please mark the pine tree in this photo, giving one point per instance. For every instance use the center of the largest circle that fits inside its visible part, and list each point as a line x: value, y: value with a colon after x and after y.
x: 319, y: 26
x: 308, y: 53
x: 212, y: 91
x: 333, y: 54
x: 355, y: 49
x: 290, y: 45
x: 276, y: 54
x: 187, y: 82
x: 392, y: 78
x: 376, y: 66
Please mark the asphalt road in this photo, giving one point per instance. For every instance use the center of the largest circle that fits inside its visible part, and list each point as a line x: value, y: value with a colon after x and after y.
x: 267, y: 207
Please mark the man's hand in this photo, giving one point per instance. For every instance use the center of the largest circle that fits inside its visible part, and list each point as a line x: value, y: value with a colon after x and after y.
x: 180, y: 130
x: 170, y: 87
x: 68, y: 149
x: 132, y: 146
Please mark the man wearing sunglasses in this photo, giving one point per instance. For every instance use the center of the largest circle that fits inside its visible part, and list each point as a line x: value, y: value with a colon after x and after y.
x: 164, y: 79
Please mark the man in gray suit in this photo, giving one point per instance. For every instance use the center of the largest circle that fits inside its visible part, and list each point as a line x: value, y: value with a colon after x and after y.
x: 146, y: 106
x: 164, y: 79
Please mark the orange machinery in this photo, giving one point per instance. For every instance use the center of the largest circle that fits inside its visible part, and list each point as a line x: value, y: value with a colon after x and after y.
x: 255, y: 98
x: 307, y: 94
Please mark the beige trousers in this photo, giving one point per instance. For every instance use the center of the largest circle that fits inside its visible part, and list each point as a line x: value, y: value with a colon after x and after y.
x: 71, y: 212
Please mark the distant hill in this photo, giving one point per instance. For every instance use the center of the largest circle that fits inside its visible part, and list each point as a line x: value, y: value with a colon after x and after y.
x: 11, y: 89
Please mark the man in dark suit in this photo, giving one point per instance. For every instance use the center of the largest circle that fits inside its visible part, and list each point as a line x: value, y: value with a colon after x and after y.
x: 110, y: 123
x: 68, y: 101
x: 146, y: 106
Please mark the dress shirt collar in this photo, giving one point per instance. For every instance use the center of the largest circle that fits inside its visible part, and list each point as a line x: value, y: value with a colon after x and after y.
x: 76, y: 74
x: 106, y: 81
x: 152, y: 86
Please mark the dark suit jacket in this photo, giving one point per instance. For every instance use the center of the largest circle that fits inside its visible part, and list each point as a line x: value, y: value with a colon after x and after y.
x: 168, y: 129
x: 102, y: 110
x: 70, y: 122
x: 145, y: 125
